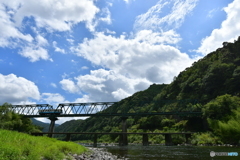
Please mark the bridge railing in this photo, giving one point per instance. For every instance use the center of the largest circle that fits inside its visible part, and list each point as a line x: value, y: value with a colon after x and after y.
x: 142, y: 108
x: 30, y: 109
x: 84, y: 108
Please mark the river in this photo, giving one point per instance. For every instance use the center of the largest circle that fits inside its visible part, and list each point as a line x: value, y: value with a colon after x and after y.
x: 160, y: 152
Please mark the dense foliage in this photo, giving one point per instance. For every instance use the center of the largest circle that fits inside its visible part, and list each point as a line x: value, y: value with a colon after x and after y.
x: 213, y: 81
x: 12, y: 121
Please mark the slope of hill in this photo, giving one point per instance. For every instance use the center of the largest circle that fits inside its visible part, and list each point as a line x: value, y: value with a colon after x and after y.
x: 208, y: 81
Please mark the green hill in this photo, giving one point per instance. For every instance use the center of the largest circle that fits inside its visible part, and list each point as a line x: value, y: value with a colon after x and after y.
x: 213, y: 80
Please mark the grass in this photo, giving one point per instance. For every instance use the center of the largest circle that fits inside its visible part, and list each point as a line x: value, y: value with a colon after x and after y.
x: 20, y: 146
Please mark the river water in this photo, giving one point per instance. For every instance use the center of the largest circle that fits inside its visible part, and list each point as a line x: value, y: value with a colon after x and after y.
x: 159, y: 152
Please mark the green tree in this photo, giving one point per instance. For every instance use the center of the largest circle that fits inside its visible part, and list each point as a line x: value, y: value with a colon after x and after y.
x: 13, y: 121
x: 228, y: 131
x: 221, y: 107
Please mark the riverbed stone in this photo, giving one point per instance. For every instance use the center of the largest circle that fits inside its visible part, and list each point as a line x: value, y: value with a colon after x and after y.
x: 96, y: 154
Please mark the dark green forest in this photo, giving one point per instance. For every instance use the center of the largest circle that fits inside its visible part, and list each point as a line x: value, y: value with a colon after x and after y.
x: 213, y: 82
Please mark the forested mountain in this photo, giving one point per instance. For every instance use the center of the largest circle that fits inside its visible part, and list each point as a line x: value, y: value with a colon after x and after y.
x: 213, y: 80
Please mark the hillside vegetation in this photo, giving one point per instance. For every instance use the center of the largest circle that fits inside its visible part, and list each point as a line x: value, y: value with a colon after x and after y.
x: 213, y: 81
x: 13, y: 121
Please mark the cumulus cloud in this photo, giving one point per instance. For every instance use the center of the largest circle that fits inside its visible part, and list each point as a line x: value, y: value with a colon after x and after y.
x: 17, y: 90
x: 229, y: 30
x: 35, y: 53
x: 53, y: 14
x: 134, y: 62
x: 106, y: 85
x: 36, y: 50
x: 137, y: 57
x: 69, y: 86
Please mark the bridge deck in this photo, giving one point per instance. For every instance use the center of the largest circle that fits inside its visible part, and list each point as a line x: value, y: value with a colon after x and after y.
x: 120, y: 114
x: 97, y: 109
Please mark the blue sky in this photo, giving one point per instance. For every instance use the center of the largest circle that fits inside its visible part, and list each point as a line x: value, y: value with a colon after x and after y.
x: 60, y: 51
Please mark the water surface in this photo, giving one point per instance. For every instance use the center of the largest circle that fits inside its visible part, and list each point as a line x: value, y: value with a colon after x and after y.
x: 159, y: 152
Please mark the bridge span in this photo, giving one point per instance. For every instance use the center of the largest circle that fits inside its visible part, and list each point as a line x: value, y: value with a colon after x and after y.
x: 105, y: 109
x: 145, y: 142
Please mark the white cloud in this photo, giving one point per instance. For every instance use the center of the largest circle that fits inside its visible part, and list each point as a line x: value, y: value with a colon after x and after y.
x: 84, y: 67
x: 106, y: 85
x: 54, y: 85
x: 120, y: 94
x: 154, y: 19
x: 71, y: 41
x: 41, y: 41
x: 134, y: 62
x: 8, y: 31
x: 53, y: 99
x: 11, y: 36
x: 57, y: 49
x: 53, y: 14
x: 229, y: 30
x: 35, y: 53
x: 69, y: 86
x: 136, y: 57
x: 104, y: 16
x: 17, y: 90
x: 148, y: 36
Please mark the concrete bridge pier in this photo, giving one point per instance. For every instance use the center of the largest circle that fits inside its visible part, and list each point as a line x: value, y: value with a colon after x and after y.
x: 123, y: 137
x: 145, y: 140
x: 95, y: 140
x: 188, y: 136
x: 68, y: 137
x: 52, y: 124
x: 168, y: 140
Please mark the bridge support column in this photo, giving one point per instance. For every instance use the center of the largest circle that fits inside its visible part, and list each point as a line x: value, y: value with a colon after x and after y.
x: 145, y: 140
x: 168, y: 140
x: 68, y: 137
x: 123, y: 137
x: 52, y: 124
x: 188, y: 136
x: 95, y: 140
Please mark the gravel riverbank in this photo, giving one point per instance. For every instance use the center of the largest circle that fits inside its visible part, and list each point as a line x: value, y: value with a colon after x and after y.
x: 97, y: 154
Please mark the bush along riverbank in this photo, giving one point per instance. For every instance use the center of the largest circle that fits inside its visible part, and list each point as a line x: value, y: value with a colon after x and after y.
x: 21, y: 146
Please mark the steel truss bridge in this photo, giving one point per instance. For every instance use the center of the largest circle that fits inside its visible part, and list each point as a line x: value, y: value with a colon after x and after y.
x: 107, y: 109
x: 99, y: 109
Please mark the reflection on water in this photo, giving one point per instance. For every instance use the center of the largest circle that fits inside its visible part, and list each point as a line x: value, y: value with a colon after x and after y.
x: 156, y: 152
